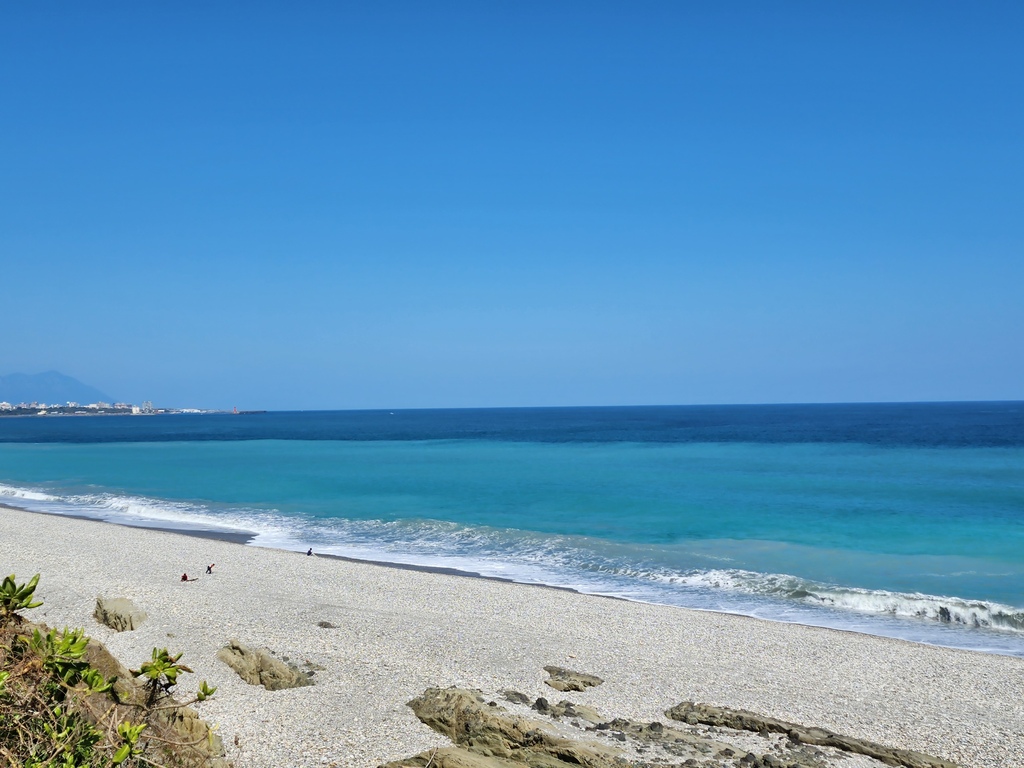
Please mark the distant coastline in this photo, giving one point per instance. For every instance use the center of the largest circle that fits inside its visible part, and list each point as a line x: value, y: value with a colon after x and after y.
x: 130, y: 410
x: 55, y: 394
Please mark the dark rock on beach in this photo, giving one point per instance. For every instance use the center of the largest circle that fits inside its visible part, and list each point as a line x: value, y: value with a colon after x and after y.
x: 515, y: 697
x: 562, y: 679
x: 580, y: 711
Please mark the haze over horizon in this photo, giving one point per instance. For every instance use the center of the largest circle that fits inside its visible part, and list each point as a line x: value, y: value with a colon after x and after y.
x: 82, y: 393
x: 459, y: 205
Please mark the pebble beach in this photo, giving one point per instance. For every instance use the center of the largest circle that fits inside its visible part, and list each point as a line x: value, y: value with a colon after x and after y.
x: 393, y: 632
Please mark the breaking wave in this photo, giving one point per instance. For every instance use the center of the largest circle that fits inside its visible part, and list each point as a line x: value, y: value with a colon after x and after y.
x: 946, y: 610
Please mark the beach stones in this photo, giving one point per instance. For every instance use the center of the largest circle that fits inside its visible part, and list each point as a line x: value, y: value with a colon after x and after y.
x: 260, y: 667
x: 118, y: 613
x: 562, y: 679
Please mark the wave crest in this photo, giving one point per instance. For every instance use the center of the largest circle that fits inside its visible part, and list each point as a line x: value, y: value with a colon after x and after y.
x: 946, y: 610
x: 27, y: 494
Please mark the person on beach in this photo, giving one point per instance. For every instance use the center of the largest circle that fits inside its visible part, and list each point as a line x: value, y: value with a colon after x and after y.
x: 184, y: 577
x: 209, y: 568
x: 309, y: 551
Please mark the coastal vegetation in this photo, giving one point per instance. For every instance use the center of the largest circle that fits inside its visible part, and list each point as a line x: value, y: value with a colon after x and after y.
x: 66, y: 702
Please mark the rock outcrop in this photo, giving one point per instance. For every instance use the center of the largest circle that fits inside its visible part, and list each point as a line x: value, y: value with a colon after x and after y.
x: 118, y: 613
x: 739, y: 719
x: 562, y: 679
x: 189, y: 728
x: 261, y: 667
x: 487, y: 736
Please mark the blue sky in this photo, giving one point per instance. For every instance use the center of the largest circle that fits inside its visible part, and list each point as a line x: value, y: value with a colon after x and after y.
x: 340, y: 205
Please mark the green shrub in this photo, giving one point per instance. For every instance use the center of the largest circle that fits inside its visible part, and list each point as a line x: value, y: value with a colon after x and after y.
x: 58, y: 711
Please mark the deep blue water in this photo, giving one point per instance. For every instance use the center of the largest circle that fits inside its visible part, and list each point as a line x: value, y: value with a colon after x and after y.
x: 891, y: 424
x: 904, y: 520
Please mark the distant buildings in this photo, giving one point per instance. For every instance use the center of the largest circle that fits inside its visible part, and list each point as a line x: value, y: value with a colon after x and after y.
x: 72, y: 408
x: 91, y: 409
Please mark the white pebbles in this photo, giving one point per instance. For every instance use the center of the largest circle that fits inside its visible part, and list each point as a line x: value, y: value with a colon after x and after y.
x: 398, y: 632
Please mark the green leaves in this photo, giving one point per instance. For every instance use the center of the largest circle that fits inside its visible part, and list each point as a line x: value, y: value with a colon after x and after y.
x: 161, y: 672
x: 129, y: 733
x: 70, y: 736
x: 205, y: 691
x: 96, y: 682
x: 62, y: 652
x: 162, y: 665
x: 16, y: 597
x: 122, y: 754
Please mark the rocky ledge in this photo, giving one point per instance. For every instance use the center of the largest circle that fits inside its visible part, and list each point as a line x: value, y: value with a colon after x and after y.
x: 485, y: 734
x: 562, y: 679
x: 740, y: 719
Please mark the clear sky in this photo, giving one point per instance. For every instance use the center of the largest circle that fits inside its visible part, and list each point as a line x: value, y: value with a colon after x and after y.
x: 354, y: 205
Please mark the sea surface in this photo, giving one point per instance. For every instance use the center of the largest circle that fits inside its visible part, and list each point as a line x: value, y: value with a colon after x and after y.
x: 902, y: 520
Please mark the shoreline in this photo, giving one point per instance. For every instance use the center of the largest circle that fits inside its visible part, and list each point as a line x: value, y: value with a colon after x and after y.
x: 247, y: 538
x: 399, y: 631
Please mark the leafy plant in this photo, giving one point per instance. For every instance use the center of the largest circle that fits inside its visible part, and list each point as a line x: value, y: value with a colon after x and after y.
x: 62, y: 652
x: 161, y: 672
x: 205, y: 691
x: 16, y: 597
x: 129, y: 733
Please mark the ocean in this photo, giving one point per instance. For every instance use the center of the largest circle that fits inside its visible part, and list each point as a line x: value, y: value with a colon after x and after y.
x: 902, y: 520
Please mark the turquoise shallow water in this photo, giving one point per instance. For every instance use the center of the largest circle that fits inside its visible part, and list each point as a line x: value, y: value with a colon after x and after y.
x: 894, y: 537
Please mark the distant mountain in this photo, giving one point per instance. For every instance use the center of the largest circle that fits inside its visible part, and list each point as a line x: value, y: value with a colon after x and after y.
x: 50, y: 387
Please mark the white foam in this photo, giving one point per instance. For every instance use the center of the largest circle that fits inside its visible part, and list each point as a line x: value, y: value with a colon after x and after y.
x: 127, y: 510
x: 948, y: 610
x: 25, y: 494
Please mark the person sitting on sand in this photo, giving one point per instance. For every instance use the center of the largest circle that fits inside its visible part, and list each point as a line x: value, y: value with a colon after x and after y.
x: 184, y: 577
x: 310, y: 551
